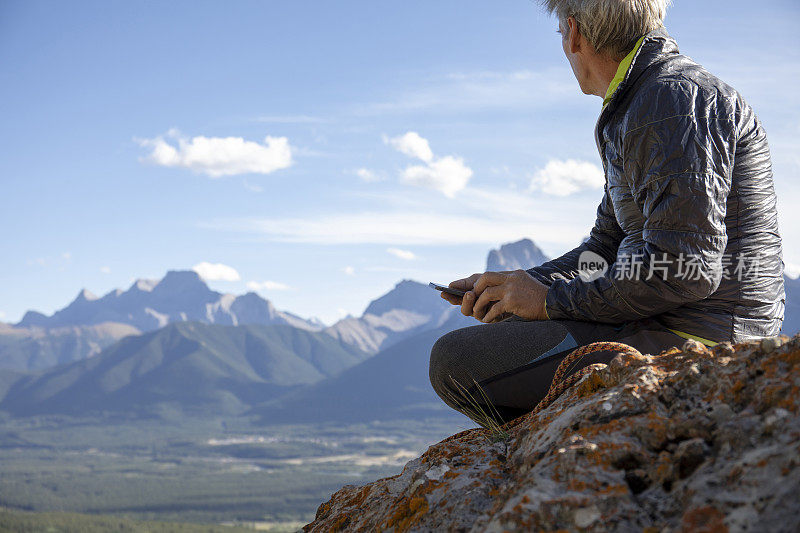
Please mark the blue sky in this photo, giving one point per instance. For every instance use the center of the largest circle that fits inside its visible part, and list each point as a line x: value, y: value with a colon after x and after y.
x: 323, y: 151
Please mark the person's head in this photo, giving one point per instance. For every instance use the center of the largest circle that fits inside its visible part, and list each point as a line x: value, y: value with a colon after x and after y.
x: 597, y: 34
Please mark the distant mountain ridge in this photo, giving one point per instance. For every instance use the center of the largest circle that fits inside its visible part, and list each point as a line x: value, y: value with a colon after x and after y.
x: 185, y: 367
x: 179, y: 297
x: 188, y: 365
x: 90, y: 323
x: 31, y: 349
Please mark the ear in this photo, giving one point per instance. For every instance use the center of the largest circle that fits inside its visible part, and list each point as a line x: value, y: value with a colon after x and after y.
x: 574, y: 35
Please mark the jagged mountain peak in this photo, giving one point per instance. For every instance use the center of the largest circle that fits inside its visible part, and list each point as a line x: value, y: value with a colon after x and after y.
x: 144, y: 285
x: 181, y: 280
x: 522, y: 254
x: 408, y: 295
x: 85, y: 296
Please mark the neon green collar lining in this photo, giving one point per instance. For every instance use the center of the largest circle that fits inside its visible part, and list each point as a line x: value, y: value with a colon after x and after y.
x: 622, y: 70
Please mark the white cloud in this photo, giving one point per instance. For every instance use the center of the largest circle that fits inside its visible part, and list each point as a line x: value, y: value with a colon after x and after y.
x: 402, y: 254
x: 219, y: 156
x: 66, y: 256
x: 105, y: 270
x: 368, y: 175
x: 267, y: 286
x: 2, y: 315
x: 447, y: 175
x: 562, y: 178
x: 350, y: 271
x: 216, y: 272
x: 412, y: 145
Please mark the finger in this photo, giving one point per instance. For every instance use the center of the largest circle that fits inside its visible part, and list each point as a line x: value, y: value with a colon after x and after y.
x: 488, y: 279
x: 464, y: 284
x: 452, y: 298
x: 496, y: 312
x: 459, y: 284
x: 485, y: 300
x: 467, y: 301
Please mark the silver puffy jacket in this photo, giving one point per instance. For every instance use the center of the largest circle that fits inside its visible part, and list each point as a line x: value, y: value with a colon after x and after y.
x: 688, y: 222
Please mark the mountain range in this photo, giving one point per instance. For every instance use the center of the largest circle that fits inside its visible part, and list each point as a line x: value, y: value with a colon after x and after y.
x: 203, y: 359
x: 188, y: 367
x: 89, y: 324
x: 179, y: 297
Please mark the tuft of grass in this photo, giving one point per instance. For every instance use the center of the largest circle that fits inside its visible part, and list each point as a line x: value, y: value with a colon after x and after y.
x: 488, y: 419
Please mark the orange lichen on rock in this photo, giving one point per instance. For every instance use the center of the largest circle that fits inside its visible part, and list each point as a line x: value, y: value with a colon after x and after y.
x: 705, y: 519
x: 691, y: 439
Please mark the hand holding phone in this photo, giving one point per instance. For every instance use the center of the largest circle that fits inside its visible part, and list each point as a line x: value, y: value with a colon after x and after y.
x: 448, y: 290
x: 454, y: 293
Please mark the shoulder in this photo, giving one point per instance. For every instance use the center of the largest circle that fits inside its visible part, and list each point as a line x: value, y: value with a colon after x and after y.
x: 680, y: 120
x: 680, y: 93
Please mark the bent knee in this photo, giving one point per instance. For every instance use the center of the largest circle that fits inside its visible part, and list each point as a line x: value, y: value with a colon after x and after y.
x: 446, y: 353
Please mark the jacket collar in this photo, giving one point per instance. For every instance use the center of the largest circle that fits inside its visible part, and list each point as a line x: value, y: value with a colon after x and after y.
x: 656, y: 47
x: 622, y: 71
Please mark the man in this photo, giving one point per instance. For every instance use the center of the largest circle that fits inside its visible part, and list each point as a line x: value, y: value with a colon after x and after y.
x: 685, y: 244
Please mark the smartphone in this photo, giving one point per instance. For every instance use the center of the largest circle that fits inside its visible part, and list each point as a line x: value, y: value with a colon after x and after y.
x: 448, y: 290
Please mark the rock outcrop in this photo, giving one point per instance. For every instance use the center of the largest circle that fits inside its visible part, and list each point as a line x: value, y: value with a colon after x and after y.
x: 688, y: 440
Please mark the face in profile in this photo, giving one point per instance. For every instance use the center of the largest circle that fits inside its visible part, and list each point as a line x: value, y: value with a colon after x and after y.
x: 574, y: 59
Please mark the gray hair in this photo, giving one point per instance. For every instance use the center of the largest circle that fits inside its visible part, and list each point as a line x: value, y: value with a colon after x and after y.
x: 612, y: 27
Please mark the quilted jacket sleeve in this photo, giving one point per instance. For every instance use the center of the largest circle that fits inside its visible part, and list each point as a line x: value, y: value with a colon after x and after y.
x: 675, y: 171
x: 603, y: 240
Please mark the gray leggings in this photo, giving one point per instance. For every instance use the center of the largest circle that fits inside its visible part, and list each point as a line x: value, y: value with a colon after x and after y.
x: 504, y: 369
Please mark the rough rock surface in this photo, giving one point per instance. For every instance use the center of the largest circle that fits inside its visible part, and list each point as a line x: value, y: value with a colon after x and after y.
x: 688, y: 440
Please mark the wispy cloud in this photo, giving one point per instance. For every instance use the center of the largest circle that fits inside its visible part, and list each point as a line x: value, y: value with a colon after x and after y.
x: 407, y: 255
x: 61, y: 261
x: 368, y: 176
x: 267, y: 286
x: 398, y: 228
x: 478, y: 91
x: 216, y: 272
x: 218, y: 156
x: 447, y: 175
x: 562, y: 178
x: 105, y: 270
x: 480, y: 216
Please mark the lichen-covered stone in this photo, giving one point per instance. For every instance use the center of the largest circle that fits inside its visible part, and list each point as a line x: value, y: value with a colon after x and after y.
x: 687, y: 440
